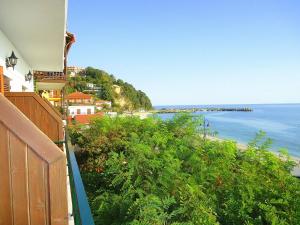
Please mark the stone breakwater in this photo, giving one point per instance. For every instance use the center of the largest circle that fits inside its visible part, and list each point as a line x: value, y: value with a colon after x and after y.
x: 210, y: 109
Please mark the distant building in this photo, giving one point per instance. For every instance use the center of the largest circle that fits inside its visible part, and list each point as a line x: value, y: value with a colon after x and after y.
x: 79, y: 98
x: 84, y: 119
x: 111, y: 114
x: 53, y: 96
x: 80, y: 104
x: 81, y: 110
x: 100, y: 104
x: 90, y: 85
x: 91, y: 88
x: 73, y: 70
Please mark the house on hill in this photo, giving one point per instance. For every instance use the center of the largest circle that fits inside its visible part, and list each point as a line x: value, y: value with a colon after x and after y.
x: 81, y: 109
x: 73, y: 70
x: 91, y: 88
x: 84, y: 119
x: 80, y: 104
x: 79, y: 98
x: 100, y: 104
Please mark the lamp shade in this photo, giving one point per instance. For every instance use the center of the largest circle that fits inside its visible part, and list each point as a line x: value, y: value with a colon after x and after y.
x: 28, y: 76
x: 12, y: 60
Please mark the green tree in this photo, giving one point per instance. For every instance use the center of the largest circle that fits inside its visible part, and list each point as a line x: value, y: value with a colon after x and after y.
x: 136, y: 99
x: 162, y: 172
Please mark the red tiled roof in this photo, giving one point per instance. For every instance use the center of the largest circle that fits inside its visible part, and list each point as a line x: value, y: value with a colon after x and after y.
x: 85, y: 119
x: 78, y: 95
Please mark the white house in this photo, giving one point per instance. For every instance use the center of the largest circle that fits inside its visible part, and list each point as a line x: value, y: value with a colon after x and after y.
x: 100, y: 104
x: 73, y: 70
x: 111, y: 114
x: 90, y: 85
x: 81, y: 110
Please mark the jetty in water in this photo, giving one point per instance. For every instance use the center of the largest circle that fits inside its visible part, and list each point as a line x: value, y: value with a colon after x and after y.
x: 197, y: 109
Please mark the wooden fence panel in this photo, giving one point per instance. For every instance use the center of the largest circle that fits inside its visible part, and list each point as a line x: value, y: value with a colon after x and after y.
x: 6, y: 216
x: 40, y: 112
x: 33, y: 178
x: 57, y: 206
x: 37, y: 191
x: 19, y: 180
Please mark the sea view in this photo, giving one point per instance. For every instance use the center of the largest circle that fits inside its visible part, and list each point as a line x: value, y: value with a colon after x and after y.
x: 281, y: 122
x: 149, y: 112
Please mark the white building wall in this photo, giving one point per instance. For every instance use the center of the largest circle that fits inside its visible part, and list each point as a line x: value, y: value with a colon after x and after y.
x: 99, y: 106
x: 16, y: 76
x: 83, y: 109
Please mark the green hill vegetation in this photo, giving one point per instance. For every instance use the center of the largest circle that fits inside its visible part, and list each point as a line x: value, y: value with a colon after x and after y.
x: 122, y: 94
x: 163, y: 172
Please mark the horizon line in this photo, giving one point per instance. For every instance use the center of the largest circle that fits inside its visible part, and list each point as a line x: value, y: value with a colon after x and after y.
x: 291, y: 103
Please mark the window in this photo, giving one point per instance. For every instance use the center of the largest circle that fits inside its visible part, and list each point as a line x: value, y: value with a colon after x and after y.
x: 89, y: 111
x: 78, y: 111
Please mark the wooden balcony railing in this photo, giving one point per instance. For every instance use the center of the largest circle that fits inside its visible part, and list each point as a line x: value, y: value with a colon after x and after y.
x: 33, y: 186
x: 40, y: 112
x: 46, y: 76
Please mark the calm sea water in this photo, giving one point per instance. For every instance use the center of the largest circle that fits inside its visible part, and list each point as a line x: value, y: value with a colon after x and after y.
x: 281, y: 122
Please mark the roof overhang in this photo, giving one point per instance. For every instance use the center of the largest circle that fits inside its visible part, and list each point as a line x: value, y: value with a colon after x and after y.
x: 37, y: 29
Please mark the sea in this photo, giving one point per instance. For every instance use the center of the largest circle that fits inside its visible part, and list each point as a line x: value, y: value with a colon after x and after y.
x: 280, y: 122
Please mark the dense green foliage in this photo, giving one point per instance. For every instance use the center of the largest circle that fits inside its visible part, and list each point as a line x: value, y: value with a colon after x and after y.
x: 163, y: 172
x: 135, y: 99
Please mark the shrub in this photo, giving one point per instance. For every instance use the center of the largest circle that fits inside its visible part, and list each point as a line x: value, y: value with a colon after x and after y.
x: 162, y: 172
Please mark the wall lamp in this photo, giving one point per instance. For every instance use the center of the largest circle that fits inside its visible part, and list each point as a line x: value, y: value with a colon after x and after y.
x: 11, y: 61
x: 28, y: 76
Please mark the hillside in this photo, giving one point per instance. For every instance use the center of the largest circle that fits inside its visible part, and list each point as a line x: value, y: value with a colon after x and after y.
x: 124, y: 96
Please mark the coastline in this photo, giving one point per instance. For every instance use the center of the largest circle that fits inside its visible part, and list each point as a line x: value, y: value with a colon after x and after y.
x: 244, y: 147
x: 201, y: 109
x: 278, y: 121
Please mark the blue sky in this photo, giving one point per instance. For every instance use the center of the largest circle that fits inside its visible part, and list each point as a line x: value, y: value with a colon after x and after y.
x: 193, y: 51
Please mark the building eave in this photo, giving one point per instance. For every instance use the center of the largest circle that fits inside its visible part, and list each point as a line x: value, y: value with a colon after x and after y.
x: 38, y: 30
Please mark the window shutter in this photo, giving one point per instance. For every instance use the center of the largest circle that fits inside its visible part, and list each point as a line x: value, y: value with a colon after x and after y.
x: 6, y: 84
